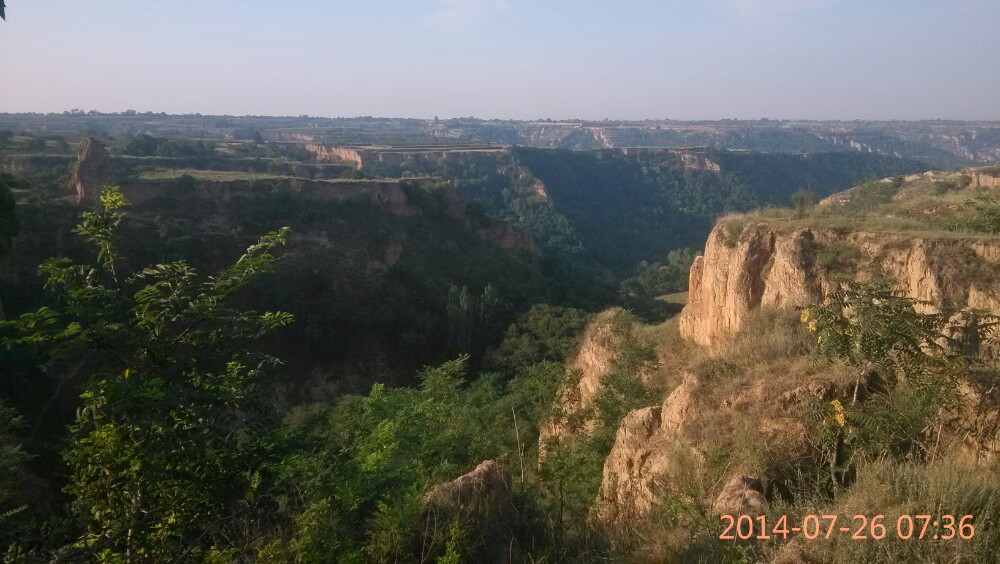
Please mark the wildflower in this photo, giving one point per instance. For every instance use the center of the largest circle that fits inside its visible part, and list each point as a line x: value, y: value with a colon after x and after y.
x: 838, y: 414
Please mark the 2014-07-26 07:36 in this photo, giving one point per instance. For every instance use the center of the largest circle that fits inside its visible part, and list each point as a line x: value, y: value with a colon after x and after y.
x: 861, y: 527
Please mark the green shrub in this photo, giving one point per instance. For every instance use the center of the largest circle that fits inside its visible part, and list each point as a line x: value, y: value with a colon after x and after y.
x: 732, y: 228
x: 803, y: 201
x: 870, y: 195
x: 981, y: 215
x: 838, y: 258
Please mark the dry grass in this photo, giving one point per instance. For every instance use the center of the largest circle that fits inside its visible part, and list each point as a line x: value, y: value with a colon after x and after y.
x: 927, y: 206
x: 892, y: 489
x: 733, y: 429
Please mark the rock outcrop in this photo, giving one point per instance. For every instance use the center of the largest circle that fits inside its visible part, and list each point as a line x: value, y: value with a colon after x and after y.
x: 742, y: 495
x: 664, y: 449
x: 602, y: 341
x: 647, y: 457
x: 94, y: 169
x: 983, y: 180
x: 762, y: 266
x: 487, y: 483
x: 481, y: 501
x: 347, y: 155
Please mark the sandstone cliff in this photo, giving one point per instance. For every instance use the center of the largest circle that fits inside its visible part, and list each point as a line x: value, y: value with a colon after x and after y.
x: 766, y: 267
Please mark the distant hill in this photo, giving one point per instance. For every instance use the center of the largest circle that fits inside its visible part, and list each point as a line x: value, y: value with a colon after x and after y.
x: 942, y: 144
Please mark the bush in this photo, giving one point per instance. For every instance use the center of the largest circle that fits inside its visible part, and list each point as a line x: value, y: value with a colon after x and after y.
x: 868, y: 196
x: 732, y: 228
x: 803, y: 201
x: 982, y: 215
x: 838, y: 258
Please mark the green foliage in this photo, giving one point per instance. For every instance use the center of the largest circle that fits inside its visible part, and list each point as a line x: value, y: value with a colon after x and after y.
x: 471, y: 319
x: 366, y: 464
x: 571, y: 469
x: 869, y: 196
x: 12, y: 465
x: 185, y: 182
x: 544, y: 333
x: 869, y: 325
x: 732, y: 228
x: 271, y: 151
x: 169, y: 447
x: 9, y: 225
x: 838, y: 258
x: 656, y: 279
x: 803, y: 201
x: 32, y: 145
x: 909, y: 488
x: 981, y: 215
x: 903, y: 373
x: 148, y: 146
x: 624, y: 389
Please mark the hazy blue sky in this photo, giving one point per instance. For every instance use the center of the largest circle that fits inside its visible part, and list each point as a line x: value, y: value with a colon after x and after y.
x: 685, y: 59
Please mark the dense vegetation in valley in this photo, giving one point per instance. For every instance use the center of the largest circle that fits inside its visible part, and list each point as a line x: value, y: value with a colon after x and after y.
x: 613, y: 209
x: 637, y: 206
x: 207, y: 375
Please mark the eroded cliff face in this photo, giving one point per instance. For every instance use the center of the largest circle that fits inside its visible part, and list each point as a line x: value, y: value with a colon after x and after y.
x: 603, y: 340
x: 982, y: 180
x: 336, y: 154
x: 667, y: 449
x: 390, y: 193
x: 746, y: 273
x: 766, y: 267
x: 590, y: 365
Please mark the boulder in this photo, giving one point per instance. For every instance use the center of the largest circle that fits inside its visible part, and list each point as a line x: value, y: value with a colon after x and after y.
x: 742, y: 495
x: 487, y: 483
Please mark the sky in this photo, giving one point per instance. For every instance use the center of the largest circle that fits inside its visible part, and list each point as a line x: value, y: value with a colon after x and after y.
x: 519, y: 59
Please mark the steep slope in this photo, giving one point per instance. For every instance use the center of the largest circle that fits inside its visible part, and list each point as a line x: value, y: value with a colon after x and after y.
x: 779, y: 261
x: 367, y: 274
x: 752, y: 423
x: 614, y: 208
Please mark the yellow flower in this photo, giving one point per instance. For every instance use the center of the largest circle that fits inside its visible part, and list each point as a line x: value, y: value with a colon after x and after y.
x: 805, y: 315
x: 812, y: 325
x: 838, y: 413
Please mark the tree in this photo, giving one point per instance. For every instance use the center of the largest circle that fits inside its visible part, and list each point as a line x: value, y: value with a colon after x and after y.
x: 169, y: 449
x: 804, y: 200
x: 876, y: 329
x: 471, y: 318
x: 904, y: 372
x: 365, y: 465
x: 12, y: 468
x: 9, y: 225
